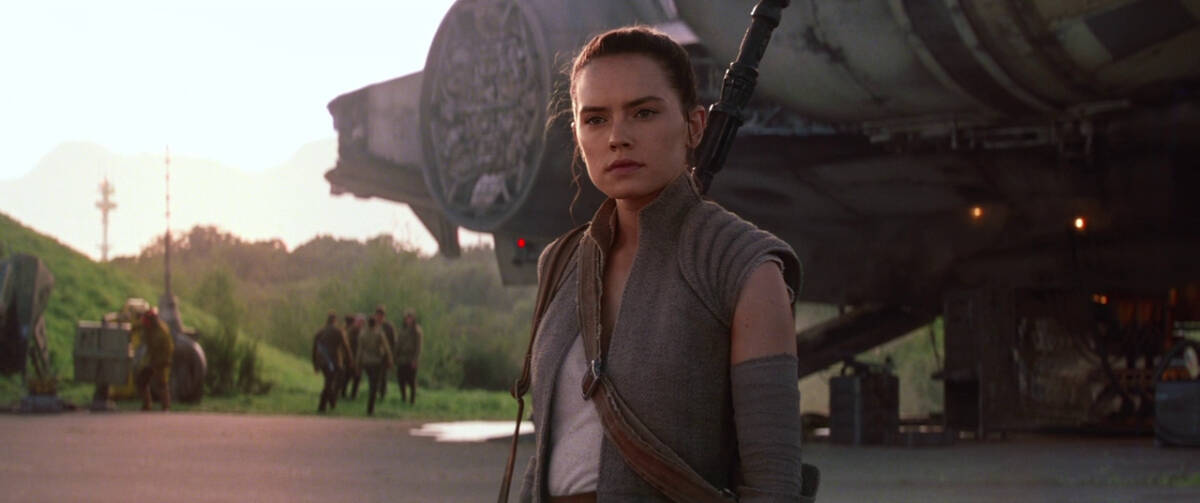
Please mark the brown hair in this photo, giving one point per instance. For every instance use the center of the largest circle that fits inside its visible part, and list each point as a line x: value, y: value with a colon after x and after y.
x: 648, y: 42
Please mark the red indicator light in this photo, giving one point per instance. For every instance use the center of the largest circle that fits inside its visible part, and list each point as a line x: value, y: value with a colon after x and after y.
x: 520, y: 242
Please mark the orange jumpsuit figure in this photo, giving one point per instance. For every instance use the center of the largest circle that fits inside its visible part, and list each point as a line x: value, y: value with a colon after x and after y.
x: 159, y: 347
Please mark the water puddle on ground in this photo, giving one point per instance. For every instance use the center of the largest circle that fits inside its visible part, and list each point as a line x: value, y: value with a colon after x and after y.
x: 470, y: 431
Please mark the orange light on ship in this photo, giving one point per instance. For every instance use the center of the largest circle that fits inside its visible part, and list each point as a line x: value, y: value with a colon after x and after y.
x: 976, y: 212
x: 1080, y: 223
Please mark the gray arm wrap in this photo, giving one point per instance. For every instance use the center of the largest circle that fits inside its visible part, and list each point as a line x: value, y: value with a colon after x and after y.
x: 766, y: 413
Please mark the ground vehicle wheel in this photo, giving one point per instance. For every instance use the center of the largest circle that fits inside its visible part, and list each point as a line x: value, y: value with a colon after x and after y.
x: 188, y: 367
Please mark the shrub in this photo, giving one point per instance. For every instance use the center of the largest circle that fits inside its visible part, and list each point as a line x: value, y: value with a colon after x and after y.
x: 488, y: 365
x: 233, y: 364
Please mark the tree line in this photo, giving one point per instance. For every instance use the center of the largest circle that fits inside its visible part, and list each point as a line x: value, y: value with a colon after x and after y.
x: 261, y: 292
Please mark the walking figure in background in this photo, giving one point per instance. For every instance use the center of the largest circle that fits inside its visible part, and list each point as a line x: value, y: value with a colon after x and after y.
x: 331, y: 356
x: 408, y: 351
x: 156, y: 338
x: 389, y: 333
x: 375, y: 357
x: 354, y: 324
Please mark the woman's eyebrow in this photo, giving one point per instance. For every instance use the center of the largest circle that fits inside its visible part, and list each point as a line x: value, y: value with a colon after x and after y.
x: 642, y: 101
x: 630, y: 104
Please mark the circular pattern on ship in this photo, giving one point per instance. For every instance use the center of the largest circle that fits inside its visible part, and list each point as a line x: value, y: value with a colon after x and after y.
x: 483, y: 104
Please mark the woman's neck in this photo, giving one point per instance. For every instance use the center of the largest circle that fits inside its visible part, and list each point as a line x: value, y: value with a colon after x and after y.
x: 627, y: 221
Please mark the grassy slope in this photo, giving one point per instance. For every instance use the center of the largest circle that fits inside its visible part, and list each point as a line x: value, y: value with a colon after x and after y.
x: 85, y: 290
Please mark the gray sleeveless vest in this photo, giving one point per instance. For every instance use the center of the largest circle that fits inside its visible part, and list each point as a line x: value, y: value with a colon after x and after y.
x: 669, y: 354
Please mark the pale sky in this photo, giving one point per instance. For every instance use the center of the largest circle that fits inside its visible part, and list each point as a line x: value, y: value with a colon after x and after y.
x: 241, y: 82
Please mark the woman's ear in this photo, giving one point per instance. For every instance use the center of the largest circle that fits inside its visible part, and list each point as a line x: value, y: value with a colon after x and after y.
x: 696, y: 120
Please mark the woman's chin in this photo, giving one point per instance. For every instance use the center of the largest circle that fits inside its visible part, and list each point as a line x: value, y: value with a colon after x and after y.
x: 632, y: 187
x: 634, y: 194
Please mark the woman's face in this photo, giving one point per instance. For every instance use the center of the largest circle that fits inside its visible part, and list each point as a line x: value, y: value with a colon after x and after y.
x: 629, y: 126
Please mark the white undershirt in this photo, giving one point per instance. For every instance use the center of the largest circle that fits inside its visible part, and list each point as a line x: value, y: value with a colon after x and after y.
x: 575, y: 431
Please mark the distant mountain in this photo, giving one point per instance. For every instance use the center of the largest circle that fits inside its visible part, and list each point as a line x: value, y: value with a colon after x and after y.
x: 290, y: 202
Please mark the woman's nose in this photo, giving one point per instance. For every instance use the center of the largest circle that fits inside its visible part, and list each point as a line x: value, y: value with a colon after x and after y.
x: 618, y: 137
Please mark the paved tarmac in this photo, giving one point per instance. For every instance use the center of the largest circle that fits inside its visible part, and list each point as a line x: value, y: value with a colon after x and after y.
x: 137, y: 457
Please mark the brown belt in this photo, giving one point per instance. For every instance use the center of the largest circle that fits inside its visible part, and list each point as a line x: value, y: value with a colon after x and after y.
x: 574, y: 498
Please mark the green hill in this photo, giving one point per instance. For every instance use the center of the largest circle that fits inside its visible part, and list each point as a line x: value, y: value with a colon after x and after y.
x: 85, y: 290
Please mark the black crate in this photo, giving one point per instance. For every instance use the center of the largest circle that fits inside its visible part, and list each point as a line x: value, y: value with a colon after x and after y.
x: 863, y: 409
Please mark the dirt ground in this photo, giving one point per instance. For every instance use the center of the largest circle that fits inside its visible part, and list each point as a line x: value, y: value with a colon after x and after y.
x: 137, y: 457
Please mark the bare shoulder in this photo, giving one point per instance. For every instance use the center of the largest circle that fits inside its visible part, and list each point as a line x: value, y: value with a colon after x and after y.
x: 762, y: 320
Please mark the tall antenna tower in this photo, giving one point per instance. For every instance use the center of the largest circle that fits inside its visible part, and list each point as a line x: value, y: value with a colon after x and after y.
x: 106, y: 205
x: 167, y: 239
x: 168, y: 309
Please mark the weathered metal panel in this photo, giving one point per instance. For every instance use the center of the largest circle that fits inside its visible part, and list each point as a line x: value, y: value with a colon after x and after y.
x: 892, y: 59
x: 392, y: 118
x: 102, y: 352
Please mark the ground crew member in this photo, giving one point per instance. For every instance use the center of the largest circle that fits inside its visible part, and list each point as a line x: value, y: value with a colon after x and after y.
x: 389, y: 331
x: 331, y: 356
x: 159, y: 344
x: 375, y: 357
x: 408, y: 351
x: 354, y: 324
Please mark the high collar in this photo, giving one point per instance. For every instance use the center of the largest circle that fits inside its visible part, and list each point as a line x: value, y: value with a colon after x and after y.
x: 657, y: 220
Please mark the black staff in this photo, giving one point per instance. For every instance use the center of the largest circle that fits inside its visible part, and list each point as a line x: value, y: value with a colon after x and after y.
x: 725, y: 116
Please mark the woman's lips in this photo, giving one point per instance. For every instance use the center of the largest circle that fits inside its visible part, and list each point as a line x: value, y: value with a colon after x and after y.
x: 623, y: 166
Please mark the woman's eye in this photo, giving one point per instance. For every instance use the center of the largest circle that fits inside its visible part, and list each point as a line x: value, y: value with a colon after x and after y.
x: 644, y: 113
x: 593, y: 120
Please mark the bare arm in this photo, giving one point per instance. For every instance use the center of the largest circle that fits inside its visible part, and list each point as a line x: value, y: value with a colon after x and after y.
x: 766, y: 401
x: 762, y: 320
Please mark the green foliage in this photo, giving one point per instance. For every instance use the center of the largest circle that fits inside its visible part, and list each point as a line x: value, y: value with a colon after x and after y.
x: 249, y: 370
x: 220, y: 349
x: 232, y: 362
x: 474, y: 327
x: 86, y: 290
x: 482, y: 370
x: 915, y: 356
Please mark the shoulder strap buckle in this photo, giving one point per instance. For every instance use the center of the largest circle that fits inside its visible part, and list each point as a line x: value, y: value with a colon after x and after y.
x: 592, y: 378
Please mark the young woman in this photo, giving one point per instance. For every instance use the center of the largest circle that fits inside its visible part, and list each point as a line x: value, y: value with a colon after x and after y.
x: 697, y: 301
